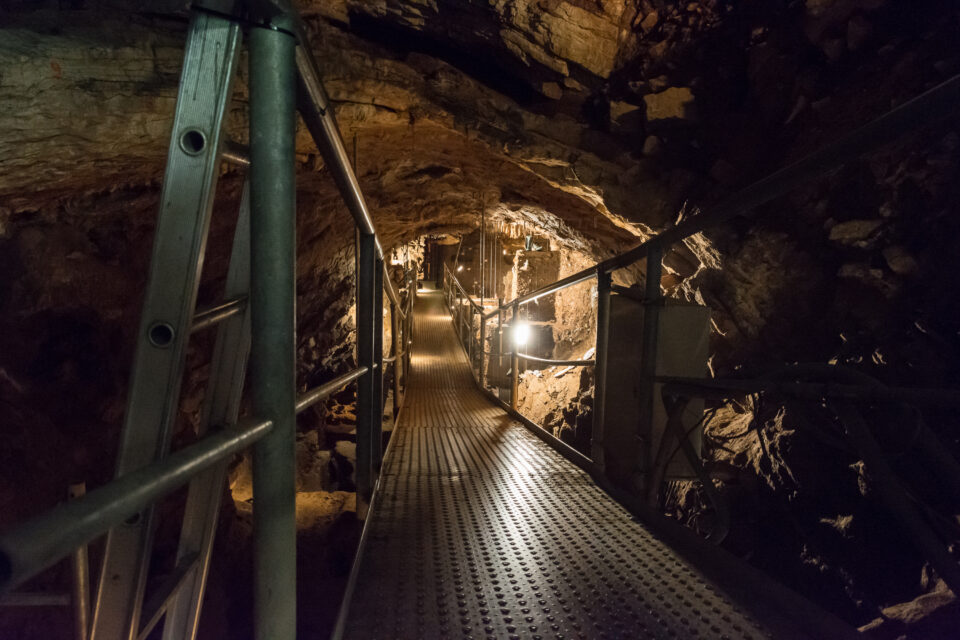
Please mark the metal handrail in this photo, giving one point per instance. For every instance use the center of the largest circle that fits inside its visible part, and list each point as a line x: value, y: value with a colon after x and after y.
x: 45, y: 539
x: 312, y: 396
x: 934, y: 104
x: 314, y: 107
x: 217, y: 313
x: 858, y: 393
x: 462, y: 290
x: 560, y: 363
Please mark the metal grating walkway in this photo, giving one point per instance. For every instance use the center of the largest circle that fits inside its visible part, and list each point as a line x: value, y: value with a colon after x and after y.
x: 483, y: 531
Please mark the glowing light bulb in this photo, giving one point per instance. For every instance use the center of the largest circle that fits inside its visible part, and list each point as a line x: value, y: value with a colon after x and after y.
x: 459, y: 268
x: 521, y: 333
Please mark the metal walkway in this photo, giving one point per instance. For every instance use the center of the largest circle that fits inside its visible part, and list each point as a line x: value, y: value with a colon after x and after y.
x: 483, y: 531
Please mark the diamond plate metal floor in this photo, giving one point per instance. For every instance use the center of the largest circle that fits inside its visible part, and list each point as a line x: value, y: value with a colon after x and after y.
x: 484, y: 531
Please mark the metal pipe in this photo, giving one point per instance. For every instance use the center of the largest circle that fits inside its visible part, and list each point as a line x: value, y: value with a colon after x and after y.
x: 494, y: 258
x: 273, y: 346
x: 377, y: 435
x: 312, y: 396
x: 514, y: 361
x: 600, y: 372
x: 870, y: 394
x: 395, y: 339
x: 235, y: 153
x: 470, y: 336
x: 499, y: 346
x: 388, y: 287
x: 365, y: 358
x: 648, y: 354
x: 314, y: 106
x: 483, y: 351
x: 31, y: 547
x: 483, y: 233
x: 317, y: 114
x: 217, y: 313
x: 80, y: 576
x: 569, y: 281
x: 557, y: 363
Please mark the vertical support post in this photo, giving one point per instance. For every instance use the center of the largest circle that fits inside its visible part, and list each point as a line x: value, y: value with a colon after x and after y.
x: 396, y: 345
x: 272, y: 309
x: 600, y: 372
x: 514, y: 361
x: 470, y: 335
x: 482, y: 349
x: 494, y: 259
x: 483, y: 233
x: 273, y: 318
x: 499, y: 345
x: 377, y: 424
x: 80, y: 574
x: 648, y: 357
x: 408, y: 328
x: 366, y: 388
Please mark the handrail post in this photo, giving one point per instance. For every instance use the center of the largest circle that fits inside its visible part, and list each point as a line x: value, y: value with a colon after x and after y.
x: 408, y: 329
x: 482, y: 349
x: 514, y: 361
x: 272, y: 304
x: 470, y: 334
x: 80, y: 575
x: 600, y: 371
x: 499, y: 345
x: 395, y: 342
x: 365, y: 358
x: 648, y: 357
x: 377, y: 425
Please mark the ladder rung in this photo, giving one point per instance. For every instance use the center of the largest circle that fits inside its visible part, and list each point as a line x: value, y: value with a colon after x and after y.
x: 157, y: 604
x: 213, y: 315
x: 235, y: 153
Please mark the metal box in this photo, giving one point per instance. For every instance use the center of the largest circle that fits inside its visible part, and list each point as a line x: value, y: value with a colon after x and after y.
x: 630, y: 440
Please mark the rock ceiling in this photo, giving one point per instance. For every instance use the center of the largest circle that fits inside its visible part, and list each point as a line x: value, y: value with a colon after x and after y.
x: 89, y: 112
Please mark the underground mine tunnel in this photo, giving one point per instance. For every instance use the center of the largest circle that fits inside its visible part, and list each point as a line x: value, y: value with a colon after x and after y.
x: 466, y: 319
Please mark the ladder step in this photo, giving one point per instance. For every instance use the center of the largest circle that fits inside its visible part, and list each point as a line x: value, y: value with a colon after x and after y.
x: 235, y: 153
x: 157, y: 604
x: 211, y: 316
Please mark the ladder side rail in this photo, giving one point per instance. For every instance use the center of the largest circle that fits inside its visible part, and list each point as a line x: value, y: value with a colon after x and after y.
x: 193, y: 165
x: 221, y: 406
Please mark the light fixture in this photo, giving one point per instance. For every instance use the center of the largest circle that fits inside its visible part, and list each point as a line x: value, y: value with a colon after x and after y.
x: 459, y: 268
x: 521, y: 333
